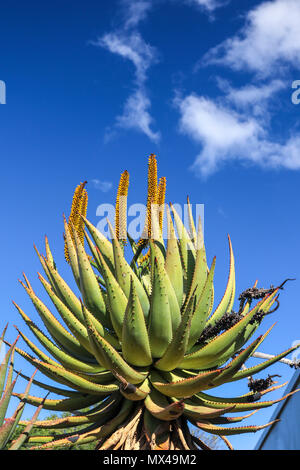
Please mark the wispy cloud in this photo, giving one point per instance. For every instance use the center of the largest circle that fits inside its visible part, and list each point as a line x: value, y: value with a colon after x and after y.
x: 269, y: 40
x: 209, y: 5
x: 253, y: 98
x: 135, y: 11
x: 128, y: 43
x: 225, y: 135
x: 131, y: 46
x: 103, y: 186
x: 136, y: 115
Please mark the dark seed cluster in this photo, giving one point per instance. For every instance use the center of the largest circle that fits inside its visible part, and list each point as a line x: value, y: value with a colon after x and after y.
x: 258, y: 385
x: 255, y: 293
x: 257, y: 317
x: 255, y: 397
x: 227, y: 321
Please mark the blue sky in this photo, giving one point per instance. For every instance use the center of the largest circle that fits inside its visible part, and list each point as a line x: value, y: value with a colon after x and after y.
x: 93, y: 88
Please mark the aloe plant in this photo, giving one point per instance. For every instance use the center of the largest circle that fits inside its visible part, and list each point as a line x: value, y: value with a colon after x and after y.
x: 7, y: 383
x: 141, y: 342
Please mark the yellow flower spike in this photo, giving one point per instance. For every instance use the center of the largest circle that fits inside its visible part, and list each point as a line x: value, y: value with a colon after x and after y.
x: 121, y: 207
x: 152, y: 189
x: 151, y: 198
x: 161, y: 200
x: 156, y: 195
x: 78, y: 208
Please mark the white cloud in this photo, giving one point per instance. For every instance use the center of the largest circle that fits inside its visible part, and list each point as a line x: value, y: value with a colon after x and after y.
x: 103, y: 186
x: 135, y: 11
x: 250, y: 95
x: 225, y: 135
x: 251, y: 98
x: 209, y: 5
x: 136, y: 115
x: 270, y: 40
x: 131, y: 46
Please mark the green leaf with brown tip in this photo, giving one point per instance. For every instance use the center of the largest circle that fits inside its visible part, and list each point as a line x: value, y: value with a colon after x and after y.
x: 74, y: 380
x: 173, y: 262
x: 89, y: 435
x: 24, y: 434
x: 207, y: 356
x: 60, y: 335
x: 124, y: 273
x: 160, y: 321
x: 65, y: 404
x: 100, y: 414
x: 226, y: 303
x: 244, y: 335
x: 131, y: 392
x: 204, y: 412
x: 185, y: 387
x: 117, y: 300
x: 159, y: 407
x: 5, y: 362
x: 76, y: 326
x: 135, y: 340
x: 4, y: 402
x: 236, y: 363
x: 202, y: 308
x: 200, y: 271
x: 223, y: 431
x: 242, y: 406
x: 50, y: 388
x: 178, y: 346
x: 61, y: 356
x: 5, y: 431
x: 263, y: 365
x: 172, y: 299
x: 107, y: 356
x: 186, y: 247
x: 102, y: 243
x: 90, y: 289
x: 71, y: 253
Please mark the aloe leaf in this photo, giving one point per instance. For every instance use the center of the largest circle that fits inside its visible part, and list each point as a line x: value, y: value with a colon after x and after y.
x: 159, y: 407
x: 65, y: 404
x: 102, y: 243
x: 135, y: 340
x: 185, y: 387
x: 160, y: 322
x: 202, y: 307
x: 263, y: 365
x: 117, y: 300
x: 24, y: 435
x: 226, y: 302
x: 124, y: 273
x: 207, y: 356
x: 5, y: 431
x: 95, y: 433
x: 236, y: 363
x: 90, y: 289
x: 173, y: 262
x: 178, y: 346
x: 172, y: 299
x: 60, y: 335
x: 187, y: 250
x: 72, y: 253
x: 223, y: 431
x: 4, y: 364
x: 4, y: 402
x: 204, y: 412
x: 107, y: 356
